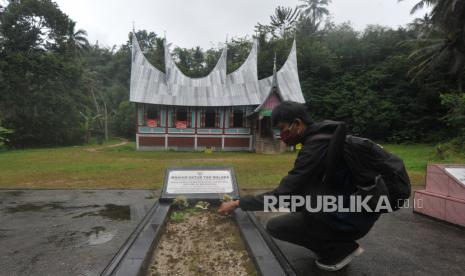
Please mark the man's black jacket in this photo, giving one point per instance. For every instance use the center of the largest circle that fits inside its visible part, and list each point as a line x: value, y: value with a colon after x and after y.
x: 306, y: 179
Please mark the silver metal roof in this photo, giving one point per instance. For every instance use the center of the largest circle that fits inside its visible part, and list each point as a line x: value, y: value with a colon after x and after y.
x: 239, y: 88
x: 287, y: 80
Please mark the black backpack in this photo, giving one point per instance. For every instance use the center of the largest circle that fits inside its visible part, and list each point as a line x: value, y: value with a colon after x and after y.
x: 371, y: 165
x: 376, y: 172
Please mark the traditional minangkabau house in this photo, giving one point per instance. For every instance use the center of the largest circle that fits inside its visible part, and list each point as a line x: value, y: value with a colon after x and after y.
x: 229, y: 112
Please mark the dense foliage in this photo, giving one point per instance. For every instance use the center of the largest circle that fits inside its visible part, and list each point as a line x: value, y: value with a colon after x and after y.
x: 402, y: 85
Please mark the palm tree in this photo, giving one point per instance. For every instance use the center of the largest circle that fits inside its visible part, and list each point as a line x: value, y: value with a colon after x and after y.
x: 446, y: 14
x: 422, y: 26
x: 314, y: 11
x: 447, y: 45
x: 76, y: 41
x: 422, y: 4
x: 284, y: 20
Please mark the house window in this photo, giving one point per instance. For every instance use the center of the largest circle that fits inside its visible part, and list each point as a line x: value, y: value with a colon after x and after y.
x: 238, y: 117
x: 181, y: 118
x: 152, y: 116
x: 210, y: 118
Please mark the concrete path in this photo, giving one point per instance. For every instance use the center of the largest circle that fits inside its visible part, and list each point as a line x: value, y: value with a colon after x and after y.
x: 66, y: 232
x: 77, y: 232
x: 401, y: 243
x: 123, y: 142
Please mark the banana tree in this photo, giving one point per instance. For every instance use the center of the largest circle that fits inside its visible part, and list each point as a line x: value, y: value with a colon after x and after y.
x: 89, y: 121
x: 4, y: 132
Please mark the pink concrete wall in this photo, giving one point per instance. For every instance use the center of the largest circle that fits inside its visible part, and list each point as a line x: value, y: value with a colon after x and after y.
x: 440, y: 207
x: 436, y: 180
x: 455, y: 212
x: 444, y: 197
x: 431, y: 205
x: 456, y: 190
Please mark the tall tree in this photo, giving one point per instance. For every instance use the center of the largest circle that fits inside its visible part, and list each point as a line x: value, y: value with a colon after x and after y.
x: 32, y: 25
x: 76, y: 40
x: 421, y: 5
x: 39, y: 90
x: 284, y: 20
x: 238, y: 51
x: 448, y: 47
x: 152, y: 46
x: 314, y: 12
x: 422, y: 26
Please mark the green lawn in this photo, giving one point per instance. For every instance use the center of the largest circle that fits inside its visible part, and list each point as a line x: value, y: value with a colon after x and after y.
x: 417, y: 156
x: 123, y: 167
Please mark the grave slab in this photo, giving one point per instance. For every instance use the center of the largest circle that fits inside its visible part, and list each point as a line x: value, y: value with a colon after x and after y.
x: 444, y: 196
x: 196, y: 184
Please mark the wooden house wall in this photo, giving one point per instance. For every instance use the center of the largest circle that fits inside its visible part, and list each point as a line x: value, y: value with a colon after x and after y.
x: 165, y: 135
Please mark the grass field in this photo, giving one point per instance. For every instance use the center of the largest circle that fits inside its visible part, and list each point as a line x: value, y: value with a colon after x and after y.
x: 123, y: 167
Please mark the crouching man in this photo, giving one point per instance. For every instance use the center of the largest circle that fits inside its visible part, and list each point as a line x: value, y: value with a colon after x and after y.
x: 330, y: 235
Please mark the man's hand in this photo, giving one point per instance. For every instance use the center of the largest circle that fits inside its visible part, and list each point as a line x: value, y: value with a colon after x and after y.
x: 227, y: 207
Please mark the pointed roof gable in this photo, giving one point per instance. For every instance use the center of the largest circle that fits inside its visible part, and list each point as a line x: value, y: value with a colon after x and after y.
x: 148, y: 84
x: 287, y: 80
x: 174, y: 75
x: 239, y: 88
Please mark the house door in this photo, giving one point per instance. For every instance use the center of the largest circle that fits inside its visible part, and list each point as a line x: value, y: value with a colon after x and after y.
x: 265, y: 128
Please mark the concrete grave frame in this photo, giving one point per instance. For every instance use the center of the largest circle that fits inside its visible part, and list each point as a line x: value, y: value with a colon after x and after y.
x: 133, y: 258
x: 444, y: 195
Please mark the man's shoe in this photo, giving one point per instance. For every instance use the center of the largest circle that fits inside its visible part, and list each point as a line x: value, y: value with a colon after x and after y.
x: 340, y: 259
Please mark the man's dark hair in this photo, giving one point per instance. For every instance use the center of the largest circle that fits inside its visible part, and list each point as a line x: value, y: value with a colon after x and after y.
x: 288, y: 111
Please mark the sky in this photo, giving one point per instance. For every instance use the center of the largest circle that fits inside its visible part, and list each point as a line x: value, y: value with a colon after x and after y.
x: 207, y: 23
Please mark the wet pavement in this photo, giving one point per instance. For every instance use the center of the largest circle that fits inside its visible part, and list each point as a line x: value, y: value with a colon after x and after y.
x: 400, y: 243
x: 66, y: 232
x: 77, y: 232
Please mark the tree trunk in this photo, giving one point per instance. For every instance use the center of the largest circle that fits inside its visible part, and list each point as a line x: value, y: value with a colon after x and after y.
x: 97, y: 108
x: 87, y: 131
x: 106, y: 121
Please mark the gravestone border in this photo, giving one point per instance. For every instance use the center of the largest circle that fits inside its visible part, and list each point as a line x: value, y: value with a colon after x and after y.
x: 134, y: 256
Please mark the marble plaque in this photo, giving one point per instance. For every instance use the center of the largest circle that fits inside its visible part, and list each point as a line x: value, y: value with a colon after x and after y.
x: 199, y: 182
x: 458, y: 173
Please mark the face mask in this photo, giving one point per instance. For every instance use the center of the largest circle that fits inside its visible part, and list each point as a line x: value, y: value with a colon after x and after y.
x: 289, y: 138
